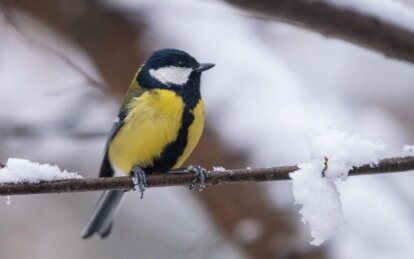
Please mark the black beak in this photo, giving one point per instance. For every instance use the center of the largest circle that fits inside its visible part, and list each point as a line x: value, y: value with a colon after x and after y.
x: 204, y: 67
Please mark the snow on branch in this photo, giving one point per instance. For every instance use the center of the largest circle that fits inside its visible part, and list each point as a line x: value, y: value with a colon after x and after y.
x: 390, y: 165
x: 373, y: 26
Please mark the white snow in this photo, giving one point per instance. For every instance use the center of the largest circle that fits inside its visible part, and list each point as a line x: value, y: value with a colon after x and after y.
x: 344, y: 150
x: 408, y: 150
x: 23, y: 171
x: 391, y: 11
x: 8, y: 200
x: 318, y: 195
x: 219, y: 169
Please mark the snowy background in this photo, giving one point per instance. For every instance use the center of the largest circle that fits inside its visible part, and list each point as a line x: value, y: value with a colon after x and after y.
x: 273, y: 84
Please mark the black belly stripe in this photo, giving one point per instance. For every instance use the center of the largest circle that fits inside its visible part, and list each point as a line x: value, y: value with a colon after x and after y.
x: 174, y: 150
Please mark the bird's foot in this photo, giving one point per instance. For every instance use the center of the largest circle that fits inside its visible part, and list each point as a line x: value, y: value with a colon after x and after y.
x: 201, y: 176
x: 140, y: 180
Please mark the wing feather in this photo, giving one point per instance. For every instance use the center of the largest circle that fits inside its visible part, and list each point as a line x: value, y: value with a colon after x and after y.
x: 106, y: 167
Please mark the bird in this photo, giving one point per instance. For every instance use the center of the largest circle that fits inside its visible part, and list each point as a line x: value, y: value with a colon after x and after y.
x: 158, y: 125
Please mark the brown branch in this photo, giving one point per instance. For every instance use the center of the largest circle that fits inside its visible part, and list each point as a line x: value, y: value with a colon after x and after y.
x: 390, y: 165
x: 330, y: 20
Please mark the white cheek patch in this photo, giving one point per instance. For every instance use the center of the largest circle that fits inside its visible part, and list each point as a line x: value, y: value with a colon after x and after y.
x: 171, y: 75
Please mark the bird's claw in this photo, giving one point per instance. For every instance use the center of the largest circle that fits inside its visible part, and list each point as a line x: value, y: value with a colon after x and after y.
x: 140, y: 180
x: 201, y: 176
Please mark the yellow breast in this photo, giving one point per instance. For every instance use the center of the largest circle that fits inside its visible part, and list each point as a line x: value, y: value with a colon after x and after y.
x: 153, y: 121
x: 194, y: 132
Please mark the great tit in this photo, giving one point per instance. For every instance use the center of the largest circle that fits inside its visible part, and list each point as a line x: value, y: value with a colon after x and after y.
x: 159, y: 124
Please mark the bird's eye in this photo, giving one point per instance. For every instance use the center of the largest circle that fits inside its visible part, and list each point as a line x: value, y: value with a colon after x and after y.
x: 180, y: 64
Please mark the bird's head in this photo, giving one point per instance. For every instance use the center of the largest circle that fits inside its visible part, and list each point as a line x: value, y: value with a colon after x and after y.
x: 171, y: 69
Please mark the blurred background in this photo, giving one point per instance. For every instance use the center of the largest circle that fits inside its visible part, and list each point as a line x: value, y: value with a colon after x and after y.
x: 65, y: 65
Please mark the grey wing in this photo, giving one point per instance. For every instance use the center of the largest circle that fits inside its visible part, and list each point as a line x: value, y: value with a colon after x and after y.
x: 106, y: 168
x: 119, y: 122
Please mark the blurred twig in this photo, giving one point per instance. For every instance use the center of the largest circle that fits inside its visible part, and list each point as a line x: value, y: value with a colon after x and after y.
x: 105, y: 35
x: 12, y: 19
x: 339, y: 22
x: 390, y: 165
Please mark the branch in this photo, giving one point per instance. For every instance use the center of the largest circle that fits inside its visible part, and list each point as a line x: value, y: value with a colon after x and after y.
x: 330, y: 20
x: 390, y: 165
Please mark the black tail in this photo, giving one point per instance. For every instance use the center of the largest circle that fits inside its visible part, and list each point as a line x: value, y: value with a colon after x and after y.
x: 101, y: 220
